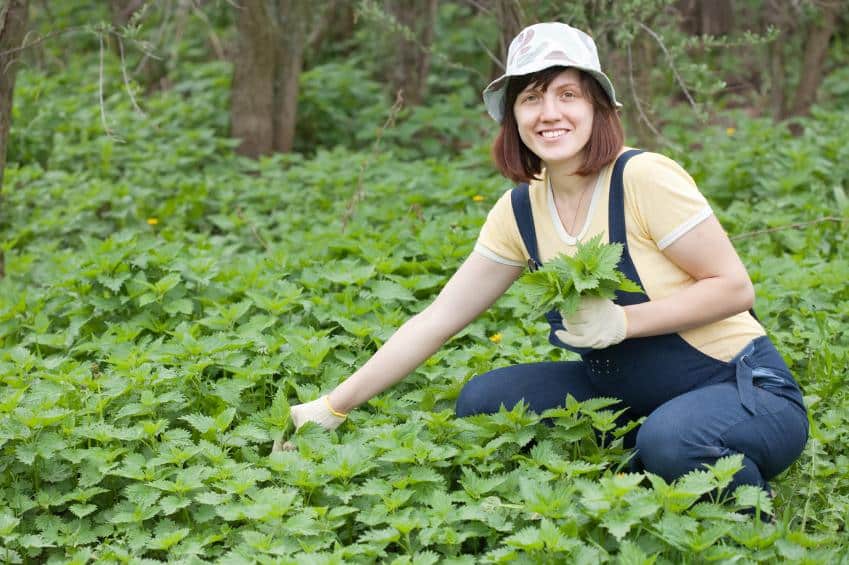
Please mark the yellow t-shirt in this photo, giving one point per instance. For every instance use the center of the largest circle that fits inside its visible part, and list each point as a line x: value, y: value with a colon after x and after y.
x: 662, y: 203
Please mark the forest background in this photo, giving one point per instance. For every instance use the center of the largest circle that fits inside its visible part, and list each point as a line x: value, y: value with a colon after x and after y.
x: 211, y: 210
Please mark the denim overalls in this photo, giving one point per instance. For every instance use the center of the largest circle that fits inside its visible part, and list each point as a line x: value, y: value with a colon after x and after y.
x: 699, y: 408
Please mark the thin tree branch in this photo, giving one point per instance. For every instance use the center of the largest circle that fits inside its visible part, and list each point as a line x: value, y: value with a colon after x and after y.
x: 100, y: 95
x: 671, y: 62
x: 492, y: 56
x: 636, y: 98
x: 70, y: 31
x: 789, y: 227
x: 359, y: 194
x: 479, y: 5
x: 255, y: 231
x: 127, y: 79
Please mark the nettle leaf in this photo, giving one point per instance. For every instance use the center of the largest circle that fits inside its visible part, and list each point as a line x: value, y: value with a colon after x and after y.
x: 179, y: 306
x: 81, y: 510
x: 167, y: 535
x: 592, y: 271
x: 230, y: 390
x: 753, y: 497
x: 390, y: 291
x: 540, y: 288
x: 477, y: 486
x: 114, y: 283
x: 8, y: 523
x: 619, y: 522
x: 200, y: 422
x: 631, y: 554
x: 725, y: 469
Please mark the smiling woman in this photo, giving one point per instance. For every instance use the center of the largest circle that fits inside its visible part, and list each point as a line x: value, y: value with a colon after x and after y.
x: 576, y: 91
x: 688, y: 355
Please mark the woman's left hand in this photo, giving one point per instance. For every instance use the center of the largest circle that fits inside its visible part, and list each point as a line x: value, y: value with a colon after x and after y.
x: 597, y: 323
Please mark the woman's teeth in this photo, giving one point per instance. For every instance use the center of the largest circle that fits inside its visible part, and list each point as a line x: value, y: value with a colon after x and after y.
x: 550, y: 134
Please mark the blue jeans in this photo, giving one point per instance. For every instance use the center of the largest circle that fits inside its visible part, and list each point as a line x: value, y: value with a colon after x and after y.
x: 684, y: 432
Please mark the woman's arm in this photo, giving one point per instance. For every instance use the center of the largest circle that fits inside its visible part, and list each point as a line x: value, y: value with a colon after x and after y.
x: 722, y: 286
x: 474, y: 287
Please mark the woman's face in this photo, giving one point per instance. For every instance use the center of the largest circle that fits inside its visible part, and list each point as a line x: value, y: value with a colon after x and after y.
x: 556, y: 123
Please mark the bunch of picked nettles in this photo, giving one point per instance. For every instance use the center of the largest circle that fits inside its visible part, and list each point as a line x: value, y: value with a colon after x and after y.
x: 562, y: 281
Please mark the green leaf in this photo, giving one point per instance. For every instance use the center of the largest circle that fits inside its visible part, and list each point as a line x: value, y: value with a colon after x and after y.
x: 389, y: 291
x: 179, y: 306
x: 200, y: 422
x: 753, y: 497
x: 81, y: 510
x: 8, y: 523
x: 562, y: 281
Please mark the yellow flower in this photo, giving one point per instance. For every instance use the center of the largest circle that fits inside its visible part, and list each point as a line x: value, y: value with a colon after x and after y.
x: 477, y: 198
x: 152, y: 221
x: 496, y: 338
x: 730, y: 131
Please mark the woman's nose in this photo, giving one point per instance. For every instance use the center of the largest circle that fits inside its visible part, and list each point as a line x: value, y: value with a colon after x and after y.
x: 549, y: 110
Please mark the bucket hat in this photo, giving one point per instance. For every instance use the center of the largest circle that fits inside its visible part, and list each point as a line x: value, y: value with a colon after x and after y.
x: 544, y: 45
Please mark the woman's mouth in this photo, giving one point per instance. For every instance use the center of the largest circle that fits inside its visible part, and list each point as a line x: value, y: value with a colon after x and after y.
x: 553, y: 133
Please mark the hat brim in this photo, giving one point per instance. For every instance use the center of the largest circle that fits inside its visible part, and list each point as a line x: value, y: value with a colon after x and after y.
x: 493, y: 94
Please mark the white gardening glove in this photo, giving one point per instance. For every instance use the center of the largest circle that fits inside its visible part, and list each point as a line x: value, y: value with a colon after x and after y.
x: 597, y: 323
x: 319, y: 411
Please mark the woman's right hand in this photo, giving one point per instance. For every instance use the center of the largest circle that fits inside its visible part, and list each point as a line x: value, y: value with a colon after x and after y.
x: 318, y: 411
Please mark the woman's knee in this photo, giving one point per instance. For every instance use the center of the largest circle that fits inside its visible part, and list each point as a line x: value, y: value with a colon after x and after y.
x: 475, y: 397
x: 661, y: 450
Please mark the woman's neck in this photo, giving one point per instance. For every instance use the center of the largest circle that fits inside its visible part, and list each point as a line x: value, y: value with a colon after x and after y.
x: 564, y: 182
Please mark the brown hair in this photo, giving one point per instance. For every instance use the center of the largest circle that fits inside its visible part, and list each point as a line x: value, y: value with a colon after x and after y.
x: 520, y: 164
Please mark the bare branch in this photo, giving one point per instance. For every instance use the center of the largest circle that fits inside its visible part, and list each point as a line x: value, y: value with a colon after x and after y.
x: 127, y: 79
x: 671, y: 62
x: 492, y: 56
x: 255, y: 231
x: 637, y: 102
x: 360, y: 193
x: 217, y: 45
x: 790, y: 227
x: 100, y: 95
x: 71, y: 31
x: 479, y: 5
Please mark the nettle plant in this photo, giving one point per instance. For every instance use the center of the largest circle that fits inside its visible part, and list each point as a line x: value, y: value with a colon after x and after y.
x: 157, y: 321
x: 591, y: 272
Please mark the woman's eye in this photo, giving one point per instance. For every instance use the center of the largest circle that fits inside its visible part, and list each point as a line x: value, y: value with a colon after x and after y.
x: 568, y: 94
x: 529, y: 98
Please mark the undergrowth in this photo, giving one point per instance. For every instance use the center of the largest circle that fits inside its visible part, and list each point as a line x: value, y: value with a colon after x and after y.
x: 166, y: 302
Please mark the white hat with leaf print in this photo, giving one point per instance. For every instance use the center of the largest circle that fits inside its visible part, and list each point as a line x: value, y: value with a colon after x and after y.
x: 544, y: 45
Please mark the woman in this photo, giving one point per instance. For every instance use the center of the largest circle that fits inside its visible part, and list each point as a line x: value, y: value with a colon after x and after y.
x: 688, y: 354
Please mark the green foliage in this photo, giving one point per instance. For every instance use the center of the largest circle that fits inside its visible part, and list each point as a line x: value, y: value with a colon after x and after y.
x: 338, y: 104
x: 166, y: 302
x: 562, y: 281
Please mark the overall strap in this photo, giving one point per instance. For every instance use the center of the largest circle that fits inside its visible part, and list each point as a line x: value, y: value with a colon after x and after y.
x: 616, y: 204
x: 521, y: 201
x: 616, y: 231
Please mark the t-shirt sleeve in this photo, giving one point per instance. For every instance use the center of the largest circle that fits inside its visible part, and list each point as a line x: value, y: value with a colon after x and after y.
x: 499, y: 239
x: 667, y: 202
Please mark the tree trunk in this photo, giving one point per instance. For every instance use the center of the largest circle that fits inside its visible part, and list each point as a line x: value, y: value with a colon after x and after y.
x: 295, y: 17
x: 776, y: 14
x: 816, y: 51
x: 508, y: 14
x: 13, y: 25
x: 252, y: 91
x: 706, y: 17
x: 268, y: 61
x: 412, y: 53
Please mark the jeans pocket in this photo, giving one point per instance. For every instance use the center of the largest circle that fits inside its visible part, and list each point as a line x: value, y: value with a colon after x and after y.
x: 767, y: 378
x: 780, y: 383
